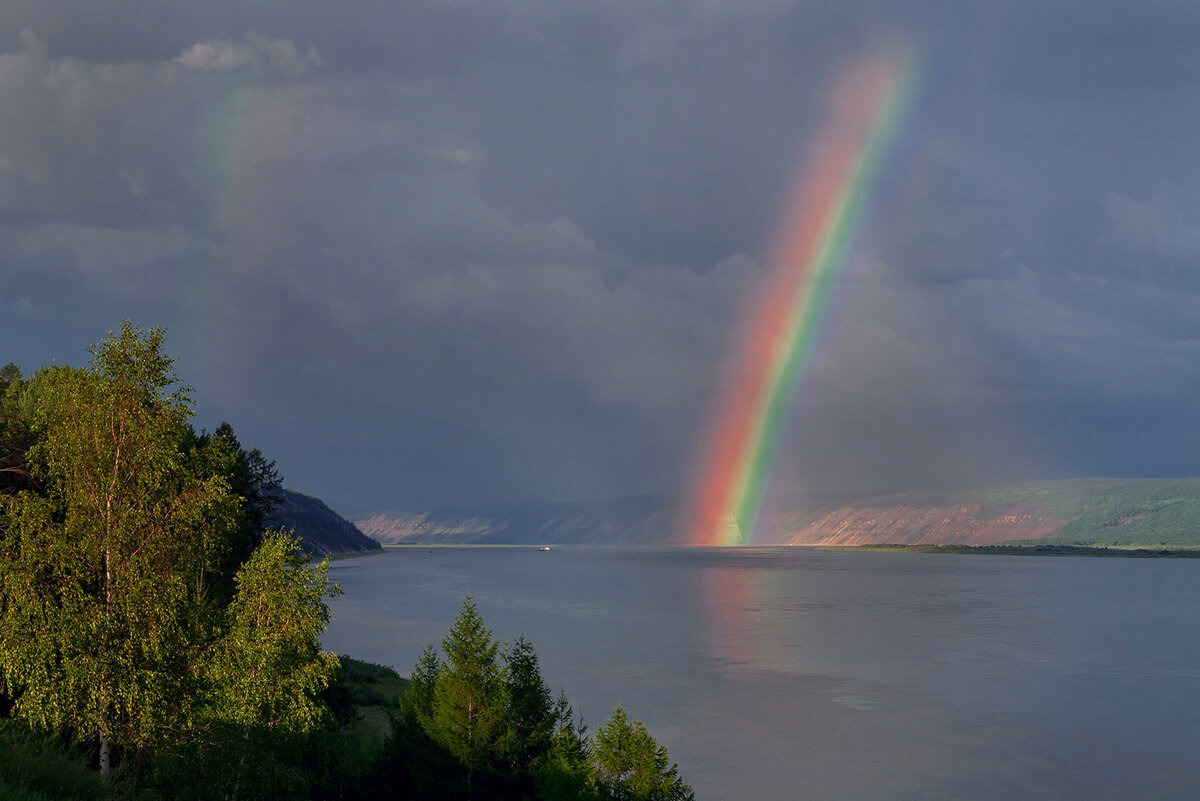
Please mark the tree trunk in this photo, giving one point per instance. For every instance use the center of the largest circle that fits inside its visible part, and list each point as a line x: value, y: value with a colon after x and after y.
x: 105, y: 745
x: 105, y: 749
x: 237, y: 783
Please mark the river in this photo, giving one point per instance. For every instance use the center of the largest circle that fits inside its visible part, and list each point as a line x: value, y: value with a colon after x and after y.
x: 783, y: 674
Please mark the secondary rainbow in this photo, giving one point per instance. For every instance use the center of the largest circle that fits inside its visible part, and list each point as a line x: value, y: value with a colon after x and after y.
x: 811, y: 246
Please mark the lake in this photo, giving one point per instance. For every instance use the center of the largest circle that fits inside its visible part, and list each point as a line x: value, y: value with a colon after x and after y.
x: 800, y: 674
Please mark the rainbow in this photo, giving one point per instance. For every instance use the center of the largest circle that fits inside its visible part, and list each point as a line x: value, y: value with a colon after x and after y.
x: 234, y: 145
x: 812, y: 244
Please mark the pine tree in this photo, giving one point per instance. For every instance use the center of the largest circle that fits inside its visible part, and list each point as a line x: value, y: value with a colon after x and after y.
x: 530, y: 716
x: 469, y: 696
x: 419, y: 699
x: 566, y: 772
x: 631, y: 766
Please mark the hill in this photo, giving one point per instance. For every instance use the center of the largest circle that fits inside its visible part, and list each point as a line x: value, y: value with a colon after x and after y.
x: 321, y: 530
x: 1104, y: 511
x: 624, y: 521
x: 1101, y: 511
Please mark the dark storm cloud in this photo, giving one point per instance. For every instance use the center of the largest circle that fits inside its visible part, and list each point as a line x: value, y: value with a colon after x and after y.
x: 433, y: 252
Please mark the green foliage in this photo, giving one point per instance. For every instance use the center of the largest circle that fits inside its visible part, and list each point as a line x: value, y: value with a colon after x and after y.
x: 566, y: 772
x: 369, y: 685
x: 469, y: 696
x: 144, y: 608
x: 420, y: 700
x: 633, y: 767
x: 101, y: 574
x: 531, y: 718
x: 483, y: 724
x: 137, y: 604
x: 15, y: 434
x: 267, y: 681
x: 269, y: 668
x: 234, y: 763
x: 329, y: 762
x: 252, y: 479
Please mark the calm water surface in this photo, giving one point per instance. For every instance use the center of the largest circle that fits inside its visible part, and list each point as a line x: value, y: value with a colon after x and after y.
x: 799, y: 674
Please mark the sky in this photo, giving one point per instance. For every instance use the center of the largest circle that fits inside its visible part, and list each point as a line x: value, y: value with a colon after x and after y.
x: 438, y: 253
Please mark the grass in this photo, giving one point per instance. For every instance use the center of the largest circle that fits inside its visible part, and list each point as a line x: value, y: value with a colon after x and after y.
x: 373, y: 692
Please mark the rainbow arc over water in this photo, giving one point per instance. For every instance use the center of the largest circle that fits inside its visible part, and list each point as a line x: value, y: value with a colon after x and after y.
x: 812, y: 244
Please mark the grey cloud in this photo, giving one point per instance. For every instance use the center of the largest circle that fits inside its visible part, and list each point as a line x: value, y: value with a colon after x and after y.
x: 115, y: 261
x: 502, y: 251
x: 1144, y: 226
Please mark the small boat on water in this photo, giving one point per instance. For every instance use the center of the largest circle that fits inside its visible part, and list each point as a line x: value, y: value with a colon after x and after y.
x: 544, y: 548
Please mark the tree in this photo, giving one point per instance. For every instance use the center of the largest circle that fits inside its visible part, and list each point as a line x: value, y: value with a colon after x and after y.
x: 15, y: 434
x: 483, y: 722
x: 102, y: 588
x: 110, y: 551
x: 420, y: 697
x: 565, y: 773
x: 253, y: 479
x: 530, y: 718
x: 469, y: 697
x: 631, y: 766
x: 268, y: 671
x: 269, y: 668
x: 449, y: 741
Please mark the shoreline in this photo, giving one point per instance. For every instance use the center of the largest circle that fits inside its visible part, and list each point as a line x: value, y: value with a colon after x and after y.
x: 1118, y: 552
x: 1100, y: 551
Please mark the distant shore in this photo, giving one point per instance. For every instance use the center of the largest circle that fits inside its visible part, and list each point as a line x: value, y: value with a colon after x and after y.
x: 1027, y: 550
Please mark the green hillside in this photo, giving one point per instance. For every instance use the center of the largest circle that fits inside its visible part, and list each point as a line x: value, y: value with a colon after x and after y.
x: 1100, y: 511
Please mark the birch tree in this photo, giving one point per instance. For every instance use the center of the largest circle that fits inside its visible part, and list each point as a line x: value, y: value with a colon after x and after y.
x: 109, y: 625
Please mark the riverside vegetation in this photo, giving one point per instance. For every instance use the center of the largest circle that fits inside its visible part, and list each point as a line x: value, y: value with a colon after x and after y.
x: 158, y: 641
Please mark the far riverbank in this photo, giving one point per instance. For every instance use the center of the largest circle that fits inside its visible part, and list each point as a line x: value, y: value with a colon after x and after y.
x: 1027, y: 550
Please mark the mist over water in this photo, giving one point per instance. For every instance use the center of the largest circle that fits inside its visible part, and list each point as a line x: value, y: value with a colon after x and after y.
x: 798, y: 674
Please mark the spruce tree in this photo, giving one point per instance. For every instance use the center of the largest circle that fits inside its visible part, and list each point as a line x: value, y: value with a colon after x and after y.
x: 631, y: 766
x: 566, y: 773
x: 469, y: 695
x: 530, y: 717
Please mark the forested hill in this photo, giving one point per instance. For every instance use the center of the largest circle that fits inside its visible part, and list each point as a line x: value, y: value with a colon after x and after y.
x: 1101, y: 511
x: 321, y: 530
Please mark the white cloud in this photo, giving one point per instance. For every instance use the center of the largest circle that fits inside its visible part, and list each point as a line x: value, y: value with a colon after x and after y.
x: 262, y: 53
x: 217, y: 56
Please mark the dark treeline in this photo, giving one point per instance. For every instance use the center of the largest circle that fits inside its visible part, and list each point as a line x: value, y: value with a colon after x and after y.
x: 158, y: 641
